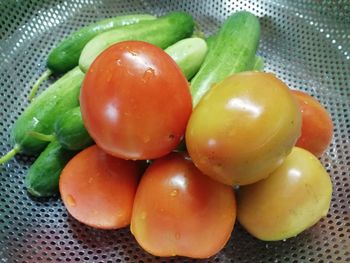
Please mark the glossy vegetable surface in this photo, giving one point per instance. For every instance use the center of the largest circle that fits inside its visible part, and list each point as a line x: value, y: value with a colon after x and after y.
x: 258, y: 63
x: 43, y: 176
x: 162, y: 32
x: 135, y: 101
x: 293, y: 198
x: 98, y: 189
x: 233, y: 50
x: 180, y: 211
x: 317, y: 126
x: 70, y: 130
x: 65, y: 55
x: 41, y: 114
x: 188, y: 54
x: 243, y: 128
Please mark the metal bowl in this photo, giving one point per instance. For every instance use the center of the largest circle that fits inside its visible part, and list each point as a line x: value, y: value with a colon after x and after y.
x: 306, y: 43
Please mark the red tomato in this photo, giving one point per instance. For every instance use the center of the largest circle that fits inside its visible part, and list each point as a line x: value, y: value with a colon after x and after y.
x: 180, y: 211
x: 317, y: 126
x: 135, y: 101
x: 98, y: 189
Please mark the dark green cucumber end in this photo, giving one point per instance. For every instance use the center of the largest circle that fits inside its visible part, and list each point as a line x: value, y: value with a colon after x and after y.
x: 42, y: 179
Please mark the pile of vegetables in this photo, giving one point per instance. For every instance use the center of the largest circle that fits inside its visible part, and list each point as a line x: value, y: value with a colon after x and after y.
x: 175, y: 135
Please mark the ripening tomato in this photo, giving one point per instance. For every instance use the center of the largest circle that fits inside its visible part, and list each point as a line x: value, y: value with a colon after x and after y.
x: 293, y: 198
x: 180, y: 211
x: 317, y: 126
x: 98, y: 189
x: 135, y: 101
x: 243, y: 128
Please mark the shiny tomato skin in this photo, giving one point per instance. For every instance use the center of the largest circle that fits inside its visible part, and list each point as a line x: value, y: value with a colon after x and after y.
x: 180, y: 211
x: 317, y: 125
x: 98, y: 189
x: 293, y: 198
x: 135, y: 101
x: 243, y: 128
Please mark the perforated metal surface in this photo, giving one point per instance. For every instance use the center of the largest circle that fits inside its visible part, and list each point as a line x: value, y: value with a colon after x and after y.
x: 307, y: 43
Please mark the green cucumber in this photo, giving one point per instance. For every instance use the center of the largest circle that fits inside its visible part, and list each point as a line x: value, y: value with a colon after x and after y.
x: 161, y: 32
x: 41, y: 114
x: 233, y: 51
x: 66, y: 54
x: 188, y: 54
x: 43, y: 176
x: 258, y: 63
x: 210, y: 40
x: 70, y: 130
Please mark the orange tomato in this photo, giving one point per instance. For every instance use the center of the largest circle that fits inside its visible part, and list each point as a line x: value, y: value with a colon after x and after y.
x: 317, y: 126
x: 180, y: 211
x: 293, y: 198
x: 243, y: 128
x: 98, y: 189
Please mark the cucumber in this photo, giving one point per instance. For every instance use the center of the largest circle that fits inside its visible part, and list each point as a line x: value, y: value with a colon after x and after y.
x: 258, y: 63
x: 210, y: 40
x: 66, y: 55
x: 233, y: 51
x: 70, y: 130
x: 161, y: 32
x: 43, y: 176
x: 41, y: 114
x: 188, y: 54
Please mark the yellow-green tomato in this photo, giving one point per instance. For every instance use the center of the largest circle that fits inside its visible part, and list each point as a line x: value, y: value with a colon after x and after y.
x: 243, y: 128
x: 293, y: 198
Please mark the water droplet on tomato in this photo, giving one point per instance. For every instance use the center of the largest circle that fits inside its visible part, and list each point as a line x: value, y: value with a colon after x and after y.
x: 148, y: 75
x: 118, y: 62
x: 174, y: 192
x: 131, y: 51
x: 70, y: 200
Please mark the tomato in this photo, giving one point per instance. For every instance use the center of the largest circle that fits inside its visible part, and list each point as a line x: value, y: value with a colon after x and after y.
x: 98, y: 189
x: 293, y: 198
x: 317, y: 126
x: 180, y: 211
x: 135, y: 101
x: 243, y: 128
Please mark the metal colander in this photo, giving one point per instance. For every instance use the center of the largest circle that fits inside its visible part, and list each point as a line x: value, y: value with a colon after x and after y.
x: 306, y: 43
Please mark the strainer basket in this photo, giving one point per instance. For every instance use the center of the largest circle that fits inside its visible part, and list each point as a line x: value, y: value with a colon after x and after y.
x: 306, y: 43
